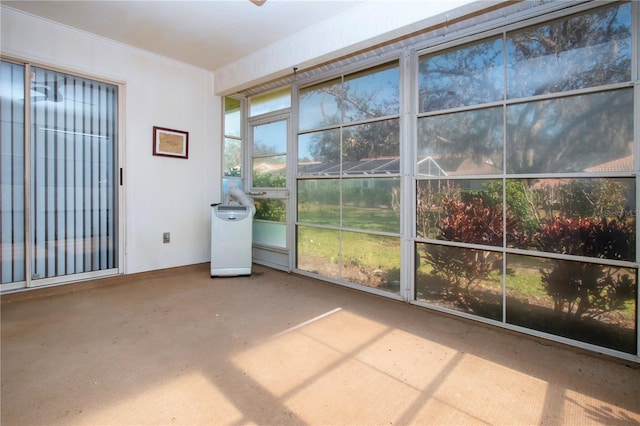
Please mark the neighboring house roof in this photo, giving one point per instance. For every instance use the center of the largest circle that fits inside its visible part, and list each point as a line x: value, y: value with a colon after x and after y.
x: 427, y: 166
x: 624, y: 164
x: 365, y: 166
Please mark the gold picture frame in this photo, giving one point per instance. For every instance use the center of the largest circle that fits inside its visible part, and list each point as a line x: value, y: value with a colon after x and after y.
x: 170, y: 142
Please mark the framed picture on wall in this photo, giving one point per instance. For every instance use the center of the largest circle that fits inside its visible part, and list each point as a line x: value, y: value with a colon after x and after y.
x: 170, y: 143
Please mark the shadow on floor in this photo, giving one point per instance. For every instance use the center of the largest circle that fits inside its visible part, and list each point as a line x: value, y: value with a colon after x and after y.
x: 177, y: 347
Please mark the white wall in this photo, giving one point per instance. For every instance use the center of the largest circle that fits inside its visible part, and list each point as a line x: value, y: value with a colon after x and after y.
x: 162, y: 194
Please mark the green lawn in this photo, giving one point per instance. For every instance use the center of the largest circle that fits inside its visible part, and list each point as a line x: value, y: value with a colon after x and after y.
x: 366, y: 218
x: 367, y: 250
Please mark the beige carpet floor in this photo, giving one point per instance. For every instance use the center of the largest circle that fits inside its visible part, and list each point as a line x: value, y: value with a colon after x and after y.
x: 177, y: 347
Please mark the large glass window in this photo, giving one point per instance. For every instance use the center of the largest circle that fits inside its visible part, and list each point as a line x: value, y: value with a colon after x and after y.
x: 527, y: 180
x: 348, y: 178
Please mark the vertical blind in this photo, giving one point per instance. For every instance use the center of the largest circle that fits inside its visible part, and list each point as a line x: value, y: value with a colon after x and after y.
x: 12, y: 220
x: 74, y: 128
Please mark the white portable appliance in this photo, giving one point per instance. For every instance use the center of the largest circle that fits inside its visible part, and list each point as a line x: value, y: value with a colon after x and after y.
x: 232, y: 236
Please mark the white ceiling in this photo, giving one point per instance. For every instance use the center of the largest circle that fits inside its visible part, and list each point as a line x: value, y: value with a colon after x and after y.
x: 207, y: 34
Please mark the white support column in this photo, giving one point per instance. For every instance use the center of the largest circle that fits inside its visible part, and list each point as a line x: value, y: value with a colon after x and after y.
x: 408, y: 114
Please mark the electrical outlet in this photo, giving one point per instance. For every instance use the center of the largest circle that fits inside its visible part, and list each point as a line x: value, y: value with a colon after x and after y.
x: 166, y: 237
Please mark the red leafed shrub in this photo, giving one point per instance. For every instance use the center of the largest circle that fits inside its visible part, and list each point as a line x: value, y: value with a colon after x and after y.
x: 477, y: 223
x: 607, y: 239
x: 473, y: 222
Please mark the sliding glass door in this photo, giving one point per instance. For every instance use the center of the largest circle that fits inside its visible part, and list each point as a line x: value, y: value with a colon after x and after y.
x: 68, y: 213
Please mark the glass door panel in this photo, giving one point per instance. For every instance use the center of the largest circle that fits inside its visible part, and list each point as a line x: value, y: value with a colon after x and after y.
x: 269, y: 189
x: 270, y: 222
x: 73, y: 183
x: 12, y: 202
